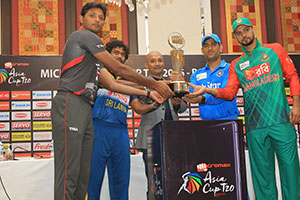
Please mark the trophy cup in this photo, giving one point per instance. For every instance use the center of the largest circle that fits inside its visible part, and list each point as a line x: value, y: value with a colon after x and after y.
x: 176, y: 41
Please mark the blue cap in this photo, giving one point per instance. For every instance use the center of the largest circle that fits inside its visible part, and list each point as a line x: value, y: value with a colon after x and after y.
x: 212, y: 36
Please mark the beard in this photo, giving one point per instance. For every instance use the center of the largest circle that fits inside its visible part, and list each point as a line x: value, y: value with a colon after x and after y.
x: 251, y: 40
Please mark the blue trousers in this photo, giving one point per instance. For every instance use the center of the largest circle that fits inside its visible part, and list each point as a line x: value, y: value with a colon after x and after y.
x: 111, y: 149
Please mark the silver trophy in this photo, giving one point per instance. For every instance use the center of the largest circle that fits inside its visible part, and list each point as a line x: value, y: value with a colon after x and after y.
x: 176, y: 41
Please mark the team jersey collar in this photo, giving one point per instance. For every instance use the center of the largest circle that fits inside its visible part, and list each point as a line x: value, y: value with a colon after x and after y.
x: 81, y: 28
x: 258, y: 44
x: 222, y: 64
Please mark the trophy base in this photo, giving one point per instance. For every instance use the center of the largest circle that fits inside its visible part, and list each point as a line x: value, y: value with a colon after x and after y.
x: 180, y: 88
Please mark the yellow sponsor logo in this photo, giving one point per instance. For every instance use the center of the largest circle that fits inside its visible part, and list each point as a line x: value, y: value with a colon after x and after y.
x: 287, y: 91
x: 44, y: 125
x: 21, y: 136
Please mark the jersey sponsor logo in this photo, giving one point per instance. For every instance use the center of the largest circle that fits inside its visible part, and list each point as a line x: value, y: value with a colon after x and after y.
x: 41, y: 94
x: 41, y: 105
x: 41, y: 146
x: 46, y: 135
x: 4, y: 105
x: 264, y: 57
x: 122, y: 97
x: 21, y: 115
x: 4, y: 126
x: 25, y: 126
x: 4, y: 95
x: 21, y: 136
x: 263, y: 80
x: 17, y: 95
x: 42, y: 125
x: 220, y: 73
x: 37, y: 115
x: 257, y: 71
x: 4, y: 116
x: 244, y: 65
x: 4, y: 136
x: 20, y: 105
x: 201, y: 76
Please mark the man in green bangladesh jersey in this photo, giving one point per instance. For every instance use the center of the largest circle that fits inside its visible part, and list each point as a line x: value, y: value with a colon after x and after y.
x: 261, y: 70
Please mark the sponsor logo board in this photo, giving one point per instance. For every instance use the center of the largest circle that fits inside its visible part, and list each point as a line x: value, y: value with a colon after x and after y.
x: 21, y: 115
x: 42, y: 125
x: 41, y: 94
x: 41, y: 115
x: 20, y: 105
x: 4, y: 126
x: 21, y: 147
x: 20, y: 95
x: 186, y: 113
x: 4, y: 95
x: 4, y: 116
x: 4, y: 136
x: 41, y: 105
x: 47, y: 135
x: 25, y: 126
x: 195, y: 111
x: 41, y: 146
x: 4, y: 105
x: 20, y: 136
x: 241, y: 110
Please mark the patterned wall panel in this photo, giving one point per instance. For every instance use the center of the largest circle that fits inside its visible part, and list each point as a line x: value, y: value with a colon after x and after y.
x: 112, y: 29
x: 290, y: 18
x: 241, y: 8
x: 38, y: 27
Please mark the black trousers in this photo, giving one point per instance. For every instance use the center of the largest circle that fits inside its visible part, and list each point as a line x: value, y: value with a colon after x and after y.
x: 73, y: 134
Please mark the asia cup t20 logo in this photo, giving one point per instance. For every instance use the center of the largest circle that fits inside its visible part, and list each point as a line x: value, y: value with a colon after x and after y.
x: 191, y: 183
x: 3, y: 75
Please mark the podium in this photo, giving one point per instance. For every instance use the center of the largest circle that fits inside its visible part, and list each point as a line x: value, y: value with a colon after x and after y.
x: 191, y: 160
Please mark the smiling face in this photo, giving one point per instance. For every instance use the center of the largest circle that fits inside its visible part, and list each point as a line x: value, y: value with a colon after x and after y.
x: 93, y: 20
x: 211, y: 50
x: 155, y: 63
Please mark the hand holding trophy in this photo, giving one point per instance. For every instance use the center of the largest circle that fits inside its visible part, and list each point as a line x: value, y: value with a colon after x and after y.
x: 176, y: 41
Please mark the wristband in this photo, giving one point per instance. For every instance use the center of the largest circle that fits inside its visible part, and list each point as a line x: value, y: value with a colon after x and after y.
x: 203, y: 100
x: 148, y: 94
x: 154, y: 106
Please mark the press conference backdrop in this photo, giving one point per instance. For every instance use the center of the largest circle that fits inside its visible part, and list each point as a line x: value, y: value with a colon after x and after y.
x: 28, y: 85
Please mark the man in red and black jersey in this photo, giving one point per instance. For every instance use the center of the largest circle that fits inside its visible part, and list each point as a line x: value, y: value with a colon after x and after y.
x: 84, y: 55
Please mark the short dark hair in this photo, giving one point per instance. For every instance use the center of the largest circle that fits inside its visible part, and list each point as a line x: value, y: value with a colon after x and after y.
x: 117, y: 43
x: 90, y: 5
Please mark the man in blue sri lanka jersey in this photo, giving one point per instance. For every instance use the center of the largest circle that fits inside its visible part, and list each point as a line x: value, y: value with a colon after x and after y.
x: 111, y: 144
